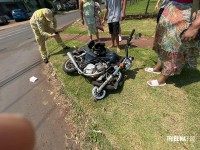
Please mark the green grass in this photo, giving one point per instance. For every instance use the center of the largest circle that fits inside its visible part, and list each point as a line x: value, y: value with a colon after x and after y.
x: 140, y: 7
x: 146, y: 27
x: 136, y: 116
x: 76, y: 28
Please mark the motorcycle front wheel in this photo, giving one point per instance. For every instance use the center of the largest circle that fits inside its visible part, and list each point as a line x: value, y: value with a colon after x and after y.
x: 96, y: 95
x: 68, y: 66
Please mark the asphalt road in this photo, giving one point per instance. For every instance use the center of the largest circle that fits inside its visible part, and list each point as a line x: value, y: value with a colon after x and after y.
x: 20, y: 60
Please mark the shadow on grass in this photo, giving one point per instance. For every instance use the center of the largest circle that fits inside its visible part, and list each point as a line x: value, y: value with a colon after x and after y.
x: 61, y: 52
x: 104, y: 39
x: 188, y: 76
x: 129, y: 74
x: 123, y: 46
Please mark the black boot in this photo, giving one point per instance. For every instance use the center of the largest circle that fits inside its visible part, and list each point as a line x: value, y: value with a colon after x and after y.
x: 66, y: 47
x: 45, y: 60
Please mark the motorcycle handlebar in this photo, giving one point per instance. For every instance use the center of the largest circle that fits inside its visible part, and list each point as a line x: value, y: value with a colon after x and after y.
x: 133, y: 31
x: 128, y: 42
x: 130, y: 37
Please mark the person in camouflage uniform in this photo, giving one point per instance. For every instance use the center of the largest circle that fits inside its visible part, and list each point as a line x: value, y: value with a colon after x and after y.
x: 44, y: 24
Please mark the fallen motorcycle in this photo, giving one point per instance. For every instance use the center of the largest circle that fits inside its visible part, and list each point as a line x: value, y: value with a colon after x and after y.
x: 113, y: 77
x: 91, y: 60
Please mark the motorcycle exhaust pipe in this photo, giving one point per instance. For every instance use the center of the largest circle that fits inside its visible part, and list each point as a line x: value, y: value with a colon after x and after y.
x: 78, y: 69
x: 74, y: 62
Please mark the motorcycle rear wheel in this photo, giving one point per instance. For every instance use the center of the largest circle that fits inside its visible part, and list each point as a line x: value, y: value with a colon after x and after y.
x: 68, y: 66
x: 98, y: 96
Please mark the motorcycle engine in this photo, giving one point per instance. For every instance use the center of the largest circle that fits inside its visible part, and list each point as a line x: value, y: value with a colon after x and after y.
x: 98, y: 67
x: 90, y: 69
x: 101, y: 66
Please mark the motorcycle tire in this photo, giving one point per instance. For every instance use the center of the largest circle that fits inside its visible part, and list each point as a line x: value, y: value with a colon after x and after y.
x: 68, y: 66
x: 98, y: 96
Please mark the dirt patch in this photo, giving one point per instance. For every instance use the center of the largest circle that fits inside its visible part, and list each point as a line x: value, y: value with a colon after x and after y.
x: 143, y: 42
x: 63, y: 102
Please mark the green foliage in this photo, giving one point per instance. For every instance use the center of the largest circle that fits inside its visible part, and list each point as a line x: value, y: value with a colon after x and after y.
x: 140, y: 7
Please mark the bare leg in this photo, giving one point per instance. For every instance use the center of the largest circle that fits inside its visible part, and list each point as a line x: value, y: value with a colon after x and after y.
x: 158, y: 67
x: 120, y: 31
x: 97, y: 35
x: 90, y: 37
x: 113, y: 41
x: 117, y: 41
x: 120, y: 34
x: 162, y: 79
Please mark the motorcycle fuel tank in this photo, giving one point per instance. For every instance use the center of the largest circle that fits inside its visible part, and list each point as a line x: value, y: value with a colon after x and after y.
x: 112, y: 57
x: 90, y: 57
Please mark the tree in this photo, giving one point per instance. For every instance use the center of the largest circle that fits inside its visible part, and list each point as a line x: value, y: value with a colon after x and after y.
x: 38, y: 3
x: 77, y: 3
x: 147, y: 7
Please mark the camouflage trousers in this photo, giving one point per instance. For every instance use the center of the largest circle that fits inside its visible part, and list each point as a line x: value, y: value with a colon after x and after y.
x: 42, y: 44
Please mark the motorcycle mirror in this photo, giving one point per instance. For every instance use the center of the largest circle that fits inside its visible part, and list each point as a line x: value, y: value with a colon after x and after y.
x: 138, y: 36
x: 91, y: 44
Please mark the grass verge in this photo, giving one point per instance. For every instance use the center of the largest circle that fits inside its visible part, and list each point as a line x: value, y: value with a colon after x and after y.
x: 146, y: 27
x: 135, y: 116
x: 140, y: 7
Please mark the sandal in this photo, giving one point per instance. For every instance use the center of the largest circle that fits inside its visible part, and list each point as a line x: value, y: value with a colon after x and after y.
x: 151, y: 71
x: 154, y: 83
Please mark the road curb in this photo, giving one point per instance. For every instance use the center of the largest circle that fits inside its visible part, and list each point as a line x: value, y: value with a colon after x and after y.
x: 14, y: 25
x: 25, y: 22
x: 69, y: 12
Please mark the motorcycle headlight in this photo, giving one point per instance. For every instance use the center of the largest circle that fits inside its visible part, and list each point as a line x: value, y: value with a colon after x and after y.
x: 131, y: 58
x: 128, y: 64
x: 115, y: 67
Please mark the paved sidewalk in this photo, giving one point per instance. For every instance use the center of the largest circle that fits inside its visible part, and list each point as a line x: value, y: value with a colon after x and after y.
x: 13, y: 24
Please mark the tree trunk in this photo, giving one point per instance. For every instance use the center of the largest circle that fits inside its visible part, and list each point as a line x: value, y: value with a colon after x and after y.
x: 38, y: 4
x: 77, y: 3
x: 147, y: 7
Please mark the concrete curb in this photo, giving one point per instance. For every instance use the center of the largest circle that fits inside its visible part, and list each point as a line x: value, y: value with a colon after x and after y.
x: 25, y: 22
x: 69, y: 12
x: 13, y: 25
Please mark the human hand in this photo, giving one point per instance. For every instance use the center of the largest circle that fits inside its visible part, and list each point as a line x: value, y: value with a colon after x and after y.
x: 194, y: 16
x: 53, y: 35
x: 123, y: 16
x: 190, y: 34
x: 156, y: 7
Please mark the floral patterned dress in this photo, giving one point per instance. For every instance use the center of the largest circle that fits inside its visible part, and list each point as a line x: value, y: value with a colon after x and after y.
x: 172, y: 52
x: 88, y: 14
